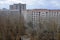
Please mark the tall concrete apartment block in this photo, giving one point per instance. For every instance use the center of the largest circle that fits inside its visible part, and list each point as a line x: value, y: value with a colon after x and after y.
x: 18, y: 6
x: 16, y: 12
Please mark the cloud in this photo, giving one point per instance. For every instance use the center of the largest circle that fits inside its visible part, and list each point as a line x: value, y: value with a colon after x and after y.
x: 55, y: 3
x: 2, y: 0
x: 48, y: 4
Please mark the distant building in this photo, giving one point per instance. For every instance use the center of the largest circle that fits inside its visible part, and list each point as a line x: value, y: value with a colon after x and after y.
x: 18, y: 7
x: 14, y: 13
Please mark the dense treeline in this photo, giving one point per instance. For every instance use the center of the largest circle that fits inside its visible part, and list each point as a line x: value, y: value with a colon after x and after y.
x: 11, y: 26
x: 47, y: 30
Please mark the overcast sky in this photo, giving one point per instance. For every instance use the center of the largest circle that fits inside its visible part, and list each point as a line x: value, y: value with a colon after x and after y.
x: 32, y: 4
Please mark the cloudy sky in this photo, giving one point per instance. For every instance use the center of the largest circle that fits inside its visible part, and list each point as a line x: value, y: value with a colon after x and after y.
x: 32, y: 4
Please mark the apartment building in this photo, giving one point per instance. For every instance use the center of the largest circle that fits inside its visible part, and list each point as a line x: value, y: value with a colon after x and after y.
x: 14, y: 13
x: 40, y: 15
x: 18, y: 7
x: 43, y: 14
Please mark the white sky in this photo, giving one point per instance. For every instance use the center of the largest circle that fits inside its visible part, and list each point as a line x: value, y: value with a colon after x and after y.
x: 48, y: 4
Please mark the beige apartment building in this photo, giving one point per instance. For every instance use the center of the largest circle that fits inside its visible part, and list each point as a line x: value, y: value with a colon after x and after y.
x: 40, y: 15
x: 43, y: 14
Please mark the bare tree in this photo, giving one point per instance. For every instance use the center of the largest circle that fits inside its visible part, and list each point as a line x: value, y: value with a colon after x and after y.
x: 11, y: 29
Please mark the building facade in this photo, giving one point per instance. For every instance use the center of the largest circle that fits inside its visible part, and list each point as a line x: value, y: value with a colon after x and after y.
x: 18, y: 7
x: 38, y: 16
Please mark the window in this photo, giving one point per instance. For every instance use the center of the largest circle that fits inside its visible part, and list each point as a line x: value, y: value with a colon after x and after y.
x: 16, y: 6
x: 42, y: 13
x: 46, y: 12
x: 54, y: 13
x: 39, y: 13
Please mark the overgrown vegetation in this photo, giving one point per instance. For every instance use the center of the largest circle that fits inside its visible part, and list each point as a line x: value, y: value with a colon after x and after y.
x: 47, y: 31
x: 11, y: 29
